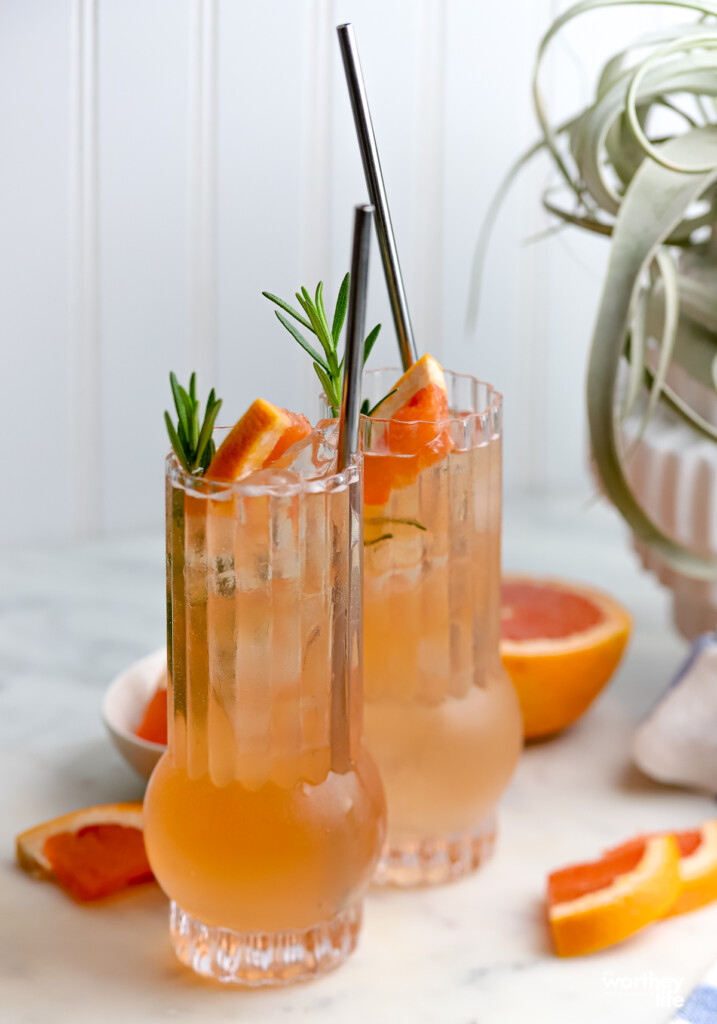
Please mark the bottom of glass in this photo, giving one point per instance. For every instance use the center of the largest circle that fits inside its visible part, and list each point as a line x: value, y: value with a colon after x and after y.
x: 256, y: 958
x: 437, y: 860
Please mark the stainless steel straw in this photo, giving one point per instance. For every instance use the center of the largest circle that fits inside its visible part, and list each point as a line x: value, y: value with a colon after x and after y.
x: 377, y: 194
x: 356, y: 322
x: 342, y: 611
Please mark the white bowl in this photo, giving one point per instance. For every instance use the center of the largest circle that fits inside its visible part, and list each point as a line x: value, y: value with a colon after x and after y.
x: 123, y: 705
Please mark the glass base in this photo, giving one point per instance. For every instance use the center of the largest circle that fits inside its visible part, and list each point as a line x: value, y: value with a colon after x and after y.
x: 256, y: 958
x: 438, y: 860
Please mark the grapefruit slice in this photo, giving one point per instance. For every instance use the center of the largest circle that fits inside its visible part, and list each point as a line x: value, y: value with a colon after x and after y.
x: 92, y: 853
x: 560, y: 644
x: 593, y: 906
x: 411, y: 431
x: 697, y: 866
x: 260, y: 437
x: 153, y: 726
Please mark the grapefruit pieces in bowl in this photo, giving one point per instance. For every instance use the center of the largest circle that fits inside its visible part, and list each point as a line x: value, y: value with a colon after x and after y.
x: 560, y: 644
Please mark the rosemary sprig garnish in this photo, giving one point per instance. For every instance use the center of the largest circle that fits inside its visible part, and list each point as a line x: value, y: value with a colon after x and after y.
x: 399, y: 522
x: 192, y: 442
x: 368, y: 410
x: 327, y: 364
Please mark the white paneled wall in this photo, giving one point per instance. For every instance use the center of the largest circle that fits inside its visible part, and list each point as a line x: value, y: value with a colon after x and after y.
x: 165, y: 160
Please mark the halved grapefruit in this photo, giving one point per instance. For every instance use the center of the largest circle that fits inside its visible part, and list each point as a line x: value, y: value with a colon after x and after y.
x: 410, y: 431
x: 593, y: 906
x: 260, y: 437
x: 697, y: 866
x: 560, y: 644
x: 92, y: 853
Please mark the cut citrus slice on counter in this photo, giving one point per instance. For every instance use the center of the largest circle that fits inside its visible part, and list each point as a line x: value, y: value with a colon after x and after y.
x: 560, y: 644
x: 697, y: 866
x: 92, y: 853
x: 411, y: 432
x: 593, y: 906
x: 260, y: 437
x: 153, y: 726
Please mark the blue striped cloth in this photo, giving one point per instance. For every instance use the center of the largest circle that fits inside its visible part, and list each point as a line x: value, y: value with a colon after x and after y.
x: 701, y: 1004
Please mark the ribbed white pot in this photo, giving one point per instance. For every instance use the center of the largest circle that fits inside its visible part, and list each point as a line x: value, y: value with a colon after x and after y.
x: 673, y: 472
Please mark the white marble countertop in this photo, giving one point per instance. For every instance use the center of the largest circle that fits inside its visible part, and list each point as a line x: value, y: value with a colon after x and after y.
x: 473, y: 953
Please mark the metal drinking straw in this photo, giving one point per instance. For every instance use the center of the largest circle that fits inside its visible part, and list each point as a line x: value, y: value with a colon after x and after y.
x: 347, y: 449
x: 377, y: 194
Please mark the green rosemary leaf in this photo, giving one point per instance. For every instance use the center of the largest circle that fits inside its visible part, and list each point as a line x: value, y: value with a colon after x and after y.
x: 365, y: 407
x: 205, y: 437
x: 342, y: 303
x: 319, y: 303
x: 178, y: 393
x: 176, y: 443
x: 327, y: 342
x: 377, y: 540
x: 288, y: 309
x: 298, y: 336
x: 193, y: 445
x: 329, y: 388
x: 381, y: 401
x: 370, y: 342
x: 400, y: 522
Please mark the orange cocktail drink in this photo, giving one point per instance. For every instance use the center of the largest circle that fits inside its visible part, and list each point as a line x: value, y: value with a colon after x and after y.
x: 265, y: 818
x: 441, y: 717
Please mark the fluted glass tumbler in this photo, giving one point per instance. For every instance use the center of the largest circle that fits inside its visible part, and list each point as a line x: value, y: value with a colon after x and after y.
x: 265, y: 818
x: 441, y: 717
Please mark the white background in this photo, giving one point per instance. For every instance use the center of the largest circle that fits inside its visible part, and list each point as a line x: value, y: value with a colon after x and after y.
x: 163, y: 161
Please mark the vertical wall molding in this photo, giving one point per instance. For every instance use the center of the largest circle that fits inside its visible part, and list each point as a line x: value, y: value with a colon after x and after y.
x: 316, y: 163
x: 84, y: 391
x: 428, y: 176
x: 202, y: 199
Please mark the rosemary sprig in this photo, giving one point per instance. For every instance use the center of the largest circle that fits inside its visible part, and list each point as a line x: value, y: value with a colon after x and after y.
x: 327, y: 364
x: 192, y: 442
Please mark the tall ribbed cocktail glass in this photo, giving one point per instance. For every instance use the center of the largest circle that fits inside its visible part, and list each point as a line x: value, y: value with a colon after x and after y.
x: 265, y: 818
x: 441, y: 718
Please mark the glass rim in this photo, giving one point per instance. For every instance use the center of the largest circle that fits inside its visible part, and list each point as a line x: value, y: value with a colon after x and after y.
x: 495, y: 402
x: 223, y: 490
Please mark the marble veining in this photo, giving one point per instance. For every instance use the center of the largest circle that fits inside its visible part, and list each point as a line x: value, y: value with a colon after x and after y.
x: 476, y: 952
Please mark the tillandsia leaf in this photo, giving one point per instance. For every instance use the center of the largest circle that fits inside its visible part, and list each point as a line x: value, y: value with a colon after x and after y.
x: 193, y: 444
x: 668, y: 275
x: 683, y: 410
x: 654, y: 204
x: 636, y: 354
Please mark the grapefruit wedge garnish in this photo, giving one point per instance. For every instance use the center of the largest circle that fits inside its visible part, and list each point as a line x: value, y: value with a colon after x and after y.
x: 593, y: 906
x: 410, y: 431
x: 260, y: 437
x: 697, y: 866
x: 560, y: 644
x: 92, y: 853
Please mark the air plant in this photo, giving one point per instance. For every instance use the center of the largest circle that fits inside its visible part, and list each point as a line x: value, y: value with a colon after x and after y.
x: 655, y: 196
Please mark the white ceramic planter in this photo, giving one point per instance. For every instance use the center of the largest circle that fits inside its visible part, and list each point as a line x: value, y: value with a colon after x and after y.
x: 673, y: 472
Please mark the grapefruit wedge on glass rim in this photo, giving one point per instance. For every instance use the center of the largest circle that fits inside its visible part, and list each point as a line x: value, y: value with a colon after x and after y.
x: 560, y: 644
x: 409, y: 433
x: 92, y: 853
x: 595, y: 905
x: 256, y: 440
